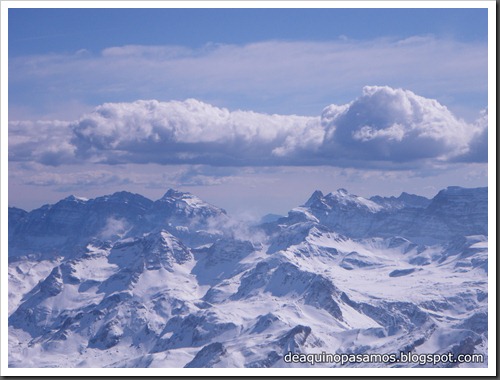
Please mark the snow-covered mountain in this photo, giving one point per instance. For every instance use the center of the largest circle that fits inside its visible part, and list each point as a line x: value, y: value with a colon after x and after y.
x: 124, y: 281
x: 65, y: 227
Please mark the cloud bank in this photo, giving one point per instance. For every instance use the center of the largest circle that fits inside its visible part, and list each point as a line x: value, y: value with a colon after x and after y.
x: 384, y: 127
x: 182, y: 132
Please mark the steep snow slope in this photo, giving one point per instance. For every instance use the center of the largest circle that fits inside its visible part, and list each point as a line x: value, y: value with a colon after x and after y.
x: 171, y: 287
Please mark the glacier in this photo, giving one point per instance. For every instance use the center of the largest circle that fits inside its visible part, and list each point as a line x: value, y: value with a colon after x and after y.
x: 124, y: 281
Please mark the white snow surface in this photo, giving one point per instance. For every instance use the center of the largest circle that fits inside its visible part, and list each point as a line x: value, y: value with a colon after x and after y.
x: 160, y: 299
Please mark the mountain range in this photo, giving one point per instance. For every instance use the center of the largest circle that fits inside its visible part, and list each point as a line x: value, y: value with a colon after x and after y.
x: 124, y: 281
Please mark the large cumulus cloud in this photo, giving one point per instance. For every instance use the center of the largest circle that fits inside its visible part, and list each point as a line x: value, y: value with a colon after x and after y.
x: 396, y: 125
x: 384, y: 126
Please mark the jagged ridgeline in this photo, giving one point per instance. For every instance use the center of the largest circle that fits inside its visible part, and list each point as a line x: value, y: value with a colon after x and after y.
x: 124, y: 281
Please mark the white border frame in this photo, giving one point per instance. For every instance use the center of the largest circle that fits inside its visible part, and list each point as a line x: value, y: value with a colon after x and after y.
x: 490, y: 371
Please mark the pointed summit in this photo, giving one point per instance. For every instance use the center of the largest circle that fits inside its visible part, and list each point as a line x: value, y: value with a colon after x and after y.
x: 343, y: 192
x: 315, y: 197
x: 179, y: 203
x: 73, y: 198
x: 343, y: 199
x: 181, y: 199
x: 340, y: 199
x: 172, y: 193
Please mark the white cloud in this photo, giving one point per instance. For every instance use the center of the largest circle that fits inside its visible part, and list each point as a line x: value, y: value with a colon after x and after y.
x: 115, y: 227
x: 478, y: 145
x: 395, y: 125
x: 44, y: 141
x: 73, y: 181
x: 384, y: 127
x: 367, y: 133
x: 182, y: 132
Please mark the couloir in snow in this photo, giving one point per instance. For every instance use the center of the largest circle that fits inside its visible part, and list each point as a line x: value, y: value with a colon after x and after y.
x: 123, y: 281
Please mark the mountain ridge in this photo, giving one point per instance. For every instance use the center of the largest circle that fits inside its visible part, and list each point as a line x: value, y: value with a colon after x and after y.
x: 175, y: 282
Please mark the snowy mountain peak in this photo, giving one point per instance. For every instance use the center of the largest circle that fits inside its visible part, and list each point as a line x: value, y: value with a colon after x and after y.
x: 172, y: 193
x: 340, y: 200
x: 122, y: 281
x: 316, y: 196
x: 342, y: 192
x: 152, y: 252
x: 343, y: 198
x: 187, y: 204
x: 73, y: 198
x: 178, y: 197
x: 125, y: 197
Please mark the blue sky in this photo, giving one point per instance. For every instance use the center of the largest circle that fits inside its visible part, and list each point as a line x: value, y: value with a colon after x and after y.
x: 419, y: 77
x: 42, y: 31
x: 49, y: 32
